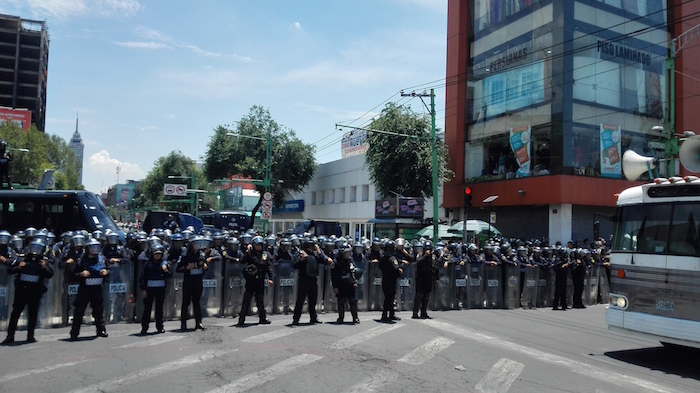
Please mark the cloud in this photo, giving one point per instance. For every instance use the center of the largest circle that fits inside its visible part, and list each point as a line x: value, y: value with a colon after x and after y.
x: 64, y: 9
x: 143, y: 45
x: 101, y: 163
x: 297, y: 25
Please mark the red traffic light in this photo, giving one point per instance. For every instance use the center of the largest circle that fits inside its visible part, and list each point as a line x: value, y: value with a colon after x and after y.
x: 468, y: 191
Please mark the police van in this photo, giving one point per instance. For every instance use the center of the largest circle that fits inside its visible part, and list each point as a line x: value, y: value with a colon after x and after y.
x: 56, y: 210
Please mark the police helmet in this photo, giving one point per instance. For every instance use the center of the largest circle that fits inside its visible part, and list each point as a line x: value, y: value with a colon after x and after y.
x: 217, y: 236
x: 66, y: 237
x: 296, y: 242
x: 357, y: 248
x: 536, y: 249
x: 522, y: 251
x: 16, y: 242
x: 308, y: 243
x: 93, y: 247
x: 177, y: 241
x: 270, y: 241
x: 207, y: 241
x: 98, y: 235
x: 400, y: 242
x: 36, y: 247
x: 113, y: 239
x: 233, y: 243
x: 41, y: 235
x: 20, y: 234
x: 187, y: 235
x: 389, y: 246
x: 257, y: 240
x: 376, y: 242
x: 50, y: 239
x: 418, y: 247
x: 246, y: 238
x: 29, y: 233
x: 427, y: 245
x: 5, y: 237
x: 78, y: 240
x: 346, y: 250
x: 158, y: 249
x: 286, y: 244
x: 488, y: 248
x: 439, y: 251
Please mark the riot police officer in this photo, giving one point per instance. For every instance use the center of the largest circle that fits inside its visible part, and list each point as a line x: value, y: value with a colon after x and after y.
x: 560, y: 264
x: 258, y: 264
x: 391, y: 271
x: 192, y: 264
x: 307, y: 262
x: 32, y: 270
x: 344, y: 283
x: 579, y: 271
x: 91, y: 271
x: 116, y: 257
x: 426, y: 275
x: 153, y: 282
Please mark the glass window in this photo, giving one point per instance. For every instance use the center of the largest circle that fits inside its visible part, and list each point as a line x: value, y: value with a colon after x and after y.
x: 365, y: 193
x: 341, y: 195
x: 353, y: 194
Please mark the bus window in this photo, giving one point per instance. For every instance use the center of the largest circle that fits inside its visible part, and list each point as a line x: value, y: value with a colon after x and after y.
x: 643, y: 229
x: 683, y: 239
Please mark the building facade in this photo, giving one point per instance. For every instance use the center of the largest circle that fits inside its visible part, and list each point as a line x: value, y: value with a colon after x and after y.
x: 543, y: 98
x: 24, y: 58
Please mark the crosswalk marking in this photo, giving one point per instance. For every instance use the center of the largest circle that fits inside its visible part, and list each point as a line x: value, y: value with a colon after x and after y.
x: 349, y: 341
x: 150, y: 342
x: 27, y: 373
x: 500, y: 377
x: 373, y: 383
x: 426, y: 351
x: 254, y: 380
x: 275, y: 334
x: 578, y: 367
x: 153, y: 371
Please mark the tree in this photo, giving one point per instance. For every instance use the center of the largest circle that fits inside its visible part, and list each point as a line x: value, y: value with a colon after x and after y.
x: 45, y: 152
x: 173, y: 168
x: 402, y: 163
x: 293, y: 162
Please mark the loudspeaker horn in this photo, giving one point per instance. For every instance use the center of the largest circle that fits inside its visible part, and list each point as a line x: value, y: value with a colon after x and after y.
x: 634, y: 164
x: 690, y: 154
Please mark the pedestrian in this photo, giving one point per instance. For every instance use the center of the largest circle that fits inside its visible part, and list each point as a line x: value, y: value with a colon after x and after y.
x: 91, y: 271
x: 307, y: 262
x: 344, y: 283
x: 426, y: 275
x: 192, y: 264
x: 258, y: 264
x: 31, y: 270
x: 391, y: 271
x: 153, y: 281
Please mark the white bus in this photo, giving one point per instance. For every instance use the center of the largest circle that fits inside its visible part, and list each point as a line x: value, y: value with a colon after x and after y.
x: 655, y: 262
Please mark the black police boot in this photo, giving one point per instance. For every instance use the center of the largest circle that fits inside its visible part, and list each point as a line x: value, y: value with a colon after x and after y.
x: 199, y: 326
x: 393, y: 317
x: 341, y: 311
x: 102, y: 332
x: 183, y: 326
x: 31, y: 338
x: 144, y: 330
x: 241, y: 320
x: 353, y: 311
x: 384, y: 317
x: 8, y: 340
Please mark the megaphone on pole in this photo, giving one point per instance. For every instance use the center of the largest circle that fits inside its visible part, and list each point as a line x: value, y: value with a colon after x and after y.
x: 633, y: 165
x: 690, y: 154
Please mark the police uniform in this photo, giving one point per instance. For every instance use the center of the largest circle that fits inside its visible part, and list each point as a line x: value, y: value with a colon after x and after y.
x: 29, y: 288
x: 426, y: 275
x: 153, y: 281
x: 258, y: 264
x: 344, y: 284
x: 192, y: 286
x: 90, y: 272
x: 561, y: 270
x: 391, y: 271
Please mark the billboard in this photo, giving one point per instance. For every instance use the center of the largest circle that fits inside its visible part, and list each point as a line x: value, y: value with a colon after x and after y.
x: 354, y: 143
x: 520, y: 144
x: 411, y: 207
x: 386, y: 208
x: 125, y: 192
x: 20, y: 117
x: 610, y: 146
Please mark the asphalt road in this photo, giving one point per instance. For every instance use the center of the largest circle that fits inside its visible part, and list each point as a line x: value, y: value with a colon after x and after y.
x: 475, y: 351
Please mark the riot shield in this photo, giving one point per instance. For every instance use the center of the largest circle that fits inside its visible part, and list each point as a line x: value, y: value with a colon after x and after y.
x: 376, y: 296
x: 406, y: 290
x: 590, y: 292
x: 211, y: 293
x: 493, y: 290
x: 4, y: 297
x: 530, y: 286
x: 545, y: 287
x: 173, y: 297
x: 443, y: 296
x: 569, y: 288
x: 46, y: 317
x: 476, y: 284
x: 511, y: 295
x: 328, y: 303
x: 461, y: 289
x: 604, y: 284
x: 234, y: 289
x: 120, y: 291
x: 285, y: 287
x: 362, y: 285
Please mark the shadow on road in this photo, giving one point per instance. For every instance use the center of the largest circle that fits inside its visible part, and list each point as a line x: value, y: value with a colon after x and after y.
x: 670, y: 360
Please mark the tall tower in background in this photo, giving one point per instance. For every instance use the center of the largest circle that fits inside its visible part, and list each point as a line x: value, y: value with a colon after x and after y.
x: 24, y: 59
x: 76, y: 145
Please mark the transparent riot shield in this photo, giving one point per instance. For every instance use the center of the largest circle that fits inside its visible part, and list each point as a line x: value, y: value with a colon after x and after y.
x: 604, y: 284
x: 511, y: 294
x: 362, y: 289
x: 493, y: 289
x: 173, y: 297
x: 376, y: 296
x: 234, y: 288
x: 461, y: 290
x: 569, y: 288
x: 211, y: 290
x: 329, y: 302
x: 46, y: 318
x: 406, y: 290
x: 545, y: 287
x: 590, y: 291
x: 4, y: 297
x: 476, y: 285
x: 444, y: 294
x: 120, y: 291
x: 530, y: 286
x: 285, y: 287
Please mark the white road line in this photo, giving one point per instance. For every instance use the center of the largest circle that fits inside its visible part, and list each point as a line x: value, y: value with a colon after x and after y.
x: 349, y: 341
x: 426, y: 351
x: 374, y: 383
x: 153, y: 371
x: 27, y: 373
x: 573, y: 365
x: 261, y: 338
x: 500, y: 377
x: 150, y: 342
x: 254, y: 380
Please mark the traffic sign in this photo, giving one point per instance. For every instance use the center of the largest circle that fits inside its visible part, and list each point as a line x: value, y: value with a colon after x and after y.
x: 267, y: 196
x: 267, y: 205
x: 266, y: 214
x: 174, y: 189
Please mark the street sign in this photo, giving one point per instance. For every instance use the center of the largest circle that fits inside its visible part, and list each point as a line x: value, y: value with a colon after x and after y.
x: 267, y: 196
x: 492, y: 218
x: 267, y: 205
x: 266, y: 214
x: 174, y: 189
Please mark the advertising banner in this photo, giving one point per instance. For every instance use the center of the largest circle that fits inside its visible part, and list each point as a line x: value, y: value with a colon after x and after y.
x: 386, y: 208
x: 354, y: 143
x: 411, y: 207
x: 20, y: 117
x: 610, y: 157
x: 520, y: 144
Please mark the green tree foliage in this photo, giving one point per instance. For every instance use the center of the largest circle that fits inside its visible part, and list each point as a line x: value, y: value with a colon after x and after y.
x: 174, y: 168
x: 45, y: 152
x: 401, y: 164
x: 293, y: 162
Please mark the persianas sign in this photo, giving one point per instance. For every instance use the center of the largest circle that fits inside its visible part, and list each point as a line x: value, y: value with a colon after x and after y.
x: 20, y: 117
x: 520, y: 144
x: 610, y: 158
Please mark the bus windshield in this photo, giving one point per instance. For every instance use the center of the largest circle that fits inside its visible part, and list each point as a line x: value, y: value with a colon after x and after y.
x: 96, y: 211
x: 668, y: 229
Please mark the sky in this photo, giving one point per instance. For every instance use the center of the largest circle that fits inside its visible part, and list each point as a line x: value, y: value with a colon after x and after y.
x: 148, y: 77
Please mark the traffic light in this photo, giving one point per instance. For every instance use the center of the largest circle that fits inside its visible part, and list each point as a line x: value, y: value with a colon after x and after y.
x: 467, y: 197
